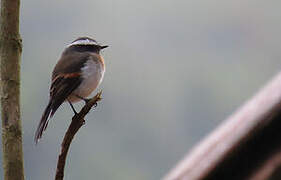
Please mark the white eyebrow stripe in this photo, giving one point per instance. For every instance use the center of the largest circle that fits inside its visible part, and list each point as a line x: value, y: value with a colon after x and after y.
x: 83, y: 42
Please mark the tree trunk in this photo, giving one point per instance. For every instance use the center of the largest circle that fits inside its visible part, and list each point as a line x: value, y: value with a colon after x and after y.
x: 10, y: 53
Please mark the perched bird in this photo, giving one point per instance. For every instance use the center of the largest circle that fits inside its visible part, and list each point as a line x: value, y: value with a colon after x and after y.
x: 76, y: 75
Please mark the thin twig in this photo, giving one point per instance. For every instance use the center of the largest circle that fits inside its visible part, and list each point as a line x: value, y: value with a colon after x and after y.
x: 76, y: 123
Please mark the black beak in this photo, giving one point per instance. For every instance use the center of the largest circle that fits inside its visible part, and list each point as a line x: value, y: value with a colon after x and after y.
x: 102, y: 47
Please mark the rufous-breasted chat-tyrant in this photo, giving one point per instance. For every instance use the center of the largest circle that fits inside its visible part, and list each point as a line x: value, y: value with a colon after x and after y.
x: 76, y: 75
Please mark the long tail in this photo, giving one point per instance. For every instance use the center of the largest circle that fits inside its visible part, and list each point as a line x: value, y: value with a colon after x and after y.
x: 43, y: 123
x: 48, y: 114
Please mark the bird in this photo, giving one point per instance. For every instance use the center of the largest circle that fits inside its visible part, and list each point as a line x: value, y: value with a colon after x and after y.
x: 78, y: 72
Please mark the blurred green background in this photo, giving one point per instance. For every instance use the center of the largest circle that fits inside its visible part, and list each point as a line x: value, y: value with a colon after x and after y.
x: 175, y: 70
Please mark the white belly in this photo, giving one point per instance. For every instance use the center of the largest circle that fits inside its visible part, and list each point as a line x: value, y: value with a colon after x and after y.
x: 92, y: 74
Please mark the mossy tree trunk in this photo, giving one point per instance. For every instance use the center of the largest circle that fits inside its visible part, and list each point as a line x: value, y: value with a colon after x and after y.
x: 10, y: 54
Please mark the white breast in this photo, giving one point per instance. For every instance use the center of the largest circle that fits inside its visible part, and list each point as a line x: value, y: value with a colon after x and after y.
x: 92, y: 74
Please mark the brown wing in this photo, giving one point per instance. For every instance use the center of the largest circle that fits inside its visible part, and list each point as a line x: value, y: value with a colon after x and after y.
x: 62, y: 86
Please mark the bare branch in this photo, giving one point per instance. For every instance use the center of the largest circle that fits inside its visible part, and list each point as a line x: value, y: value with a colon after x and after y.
x: 245, y: 144
x: 76, y: 123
